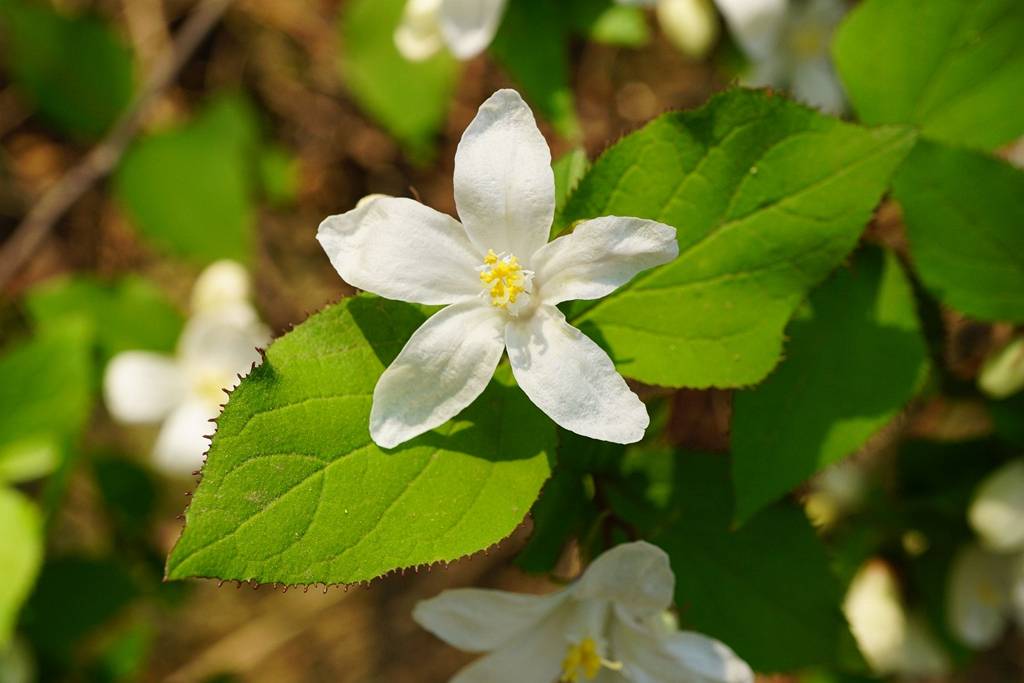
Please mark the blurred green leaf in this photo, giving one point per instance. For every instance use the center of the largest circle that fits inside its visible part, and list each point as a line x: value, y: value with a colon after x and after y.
x: 191, y: 190
x: 767, y: 197
x: 31, y: 457
x: 21, y: 553
x: 279, y: 176
x: 532, y: 44
x: 953, y: 67
x: 964, y: 212
x: 609, y: 23
x: 283, y: 502
x: 409, y: 99
x: 111, y: 311
x: 1008, y: 416
x: 853, y: 361
x: 559, y: 515
x: 77, y: 71
x: 765, y: 589
x: 129, y: 492
x: 569, y: 169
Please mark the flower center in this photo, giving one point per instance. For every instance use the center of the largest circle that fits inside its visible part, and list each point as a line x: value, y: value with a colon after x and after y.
x: 505, y: 282
x: 583, y: 659
x: 808, y: 40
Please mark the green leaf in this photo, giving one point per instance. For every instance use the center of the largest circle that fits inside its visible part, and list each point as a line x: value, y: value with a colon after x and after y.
x: 45, y: 399
x: 569, y: 169
x: 111, y: 312
x: 767, y: 197
x: 77, y: 71
x: 953, y: 67
x: 965, y: 221
x: 532, y: 44
x: 409, y: 99
x: 279, y: 176
x: 766, y: 589
x: 294, y: 491
x: 853, y: 361
x: 191, y: 190
x: 560, y: 514
x: 611, y: 24
x: 21, y: 553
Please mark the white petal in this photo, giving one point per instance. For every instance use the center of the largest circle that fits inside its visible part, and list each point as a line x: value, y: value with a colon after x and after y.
x: 874, y: 608
x: 572, y: 379
x: 444, y: 366
x: 1002, y: 375
x: 755, y: 24
x: 479, y: 620
x: 637, y: 3
x: 815, y: 83
x: 979, y: 596
x: 140, y: 387
x: 400, y: 249
x: 469, y: 26
x: 215, y: 348
x: 504, y: 186
x: 534, y: 656
x: 635, y: 576
x: 691, y: 25
x: 599, y: 256
x: 418, y: 36
x: 997, y: 512
x: 222, y: 285
x: 923, y: 655
x: 182, y: 441
x: 652, y: 657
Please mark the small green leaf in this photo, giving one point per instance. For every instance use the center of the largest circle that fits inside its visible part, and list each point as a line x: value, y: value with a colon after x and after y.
x: 611, y: 24
x: 294, y: 491
x: 964, y: 213
x: 190, y: 190
x: 77, y: 71
x: 766, y: 589
x: 532, y: 44
x: 279, y: 176
x: 767, y: 197
x: 852, y: 363
x: 409, y: 99
x: 111, y: 311
x: 21, y: 553
x: 953, y: 67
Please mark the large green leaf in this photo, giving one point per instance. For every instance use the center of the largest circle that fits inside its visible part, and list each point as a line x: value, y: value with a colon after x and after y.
x: 953, y: 67
x: 766, y: 589
x: 21, y: 553
x: 409, y: 99
x: 77, y: 71
x: 767, y: 197
x: 294, y: 491
x: 111, y: 311
x: 853, y: 360
x: 965, y: 220
x: 191, y: 190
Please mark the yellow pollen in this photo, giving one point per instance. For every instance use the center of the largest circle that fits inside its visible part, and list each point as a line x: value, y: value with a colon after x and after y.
x: 503, y: 278
x: 583, y: 659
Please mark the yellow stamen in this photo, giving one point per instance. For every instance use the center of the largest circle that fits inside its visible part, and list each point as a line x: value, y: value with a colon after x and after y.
x: 504, y: 279
x: 584, y: 659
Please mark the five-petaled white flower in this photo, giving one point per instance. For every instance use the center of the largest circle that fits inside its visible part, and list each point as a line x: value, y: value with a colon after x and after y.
x: 465, y: 27
x: 611, y: 625
x: 788, y: 42
x: 502, y: 280
x: 185, y: 392
x: 691, y: 25
x: 986, y: 592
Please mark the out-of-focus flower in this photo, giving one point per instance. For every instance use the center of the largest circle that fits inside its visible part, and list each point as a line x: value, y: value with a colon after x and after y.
x: 185, y: 392
x: 787, y: 43
x: 501, y: 281
x: 997, y: 511
x: 892, y: 641
x: 982, y: 589
x: 691, y: 25
x: 835, y: 492
x: 608, y: 626
x: 465, y: 27
x: 1002, y: 375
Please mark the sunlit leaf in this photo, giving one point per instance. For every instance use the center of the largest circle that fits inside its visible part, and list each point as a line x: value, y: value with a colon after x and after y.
x: 21, y: 553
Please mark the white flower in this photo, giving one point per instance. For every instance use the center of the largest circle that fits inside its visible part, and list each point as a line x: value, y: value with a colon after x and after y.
x: 465, y: 27
x: 691, y: 25
x: 997, y: 511
x: 986, y: 590
x: 185, y: 392
x: 1002, y: 375
x: 608, y: 626
x: 892, y: 641
x: 787, y: 42
x: 502, y: 281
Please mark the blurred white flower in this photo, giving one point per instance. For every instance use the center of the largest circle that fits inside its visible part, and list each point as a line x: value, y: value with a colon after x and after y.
x: 835, y: 493
x: 186, y: 391
x: 465, y: 27
x: 892, y: 641
x: 691, y: 25
x: 1002, y: 374
x: 608, y: 626
x: 787, y: 43
x: 502, y: 280
x: 997, y: 511
x: 986, y: 590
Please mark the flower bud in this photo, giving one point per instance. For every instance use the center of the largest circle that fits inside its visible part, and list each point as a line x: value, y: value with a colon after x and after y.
x: 997, y: 511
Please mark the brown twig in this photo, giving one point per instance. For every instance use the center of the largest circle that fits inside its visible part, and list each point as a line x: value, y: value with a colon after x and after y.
x: 102, y: 159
